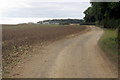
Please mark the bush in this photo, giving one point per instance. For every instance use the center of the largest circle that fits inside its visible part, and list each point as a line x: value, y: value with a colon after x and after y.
x: 64, y: 23
x: 112, y: 23
x: 118, y: 39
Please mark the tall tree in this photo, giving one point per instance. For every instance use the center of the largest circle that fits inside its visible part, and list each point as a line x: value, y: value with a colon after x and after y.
x: 104, y: 13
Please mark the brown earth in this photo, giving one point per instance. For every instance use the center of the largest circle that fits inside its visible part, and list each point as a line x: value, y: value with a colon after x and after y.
x: 76, y: 56
x: 19, y: 40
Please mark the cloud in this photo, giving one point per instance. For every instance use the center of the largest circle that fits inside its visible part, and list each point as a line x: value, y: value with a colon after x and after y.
x: 47, y: 9
x: 21, y: 9
x: 8, y: 4
x: 7, y: 20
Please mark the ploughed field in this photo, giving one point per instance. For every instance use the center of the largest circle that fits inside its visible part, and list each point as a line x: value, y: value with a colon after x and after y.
x: 20, y: 39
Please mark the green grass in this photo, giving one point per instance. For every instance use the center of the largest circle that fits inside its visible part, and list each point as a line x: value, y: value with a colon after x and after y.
x: 109, y: 44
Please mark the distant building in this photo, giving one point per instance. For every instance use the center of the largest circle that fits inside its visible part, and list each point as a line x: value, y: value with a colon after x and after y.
x: 74, y: 24
x: 45, y: 23
x: 30, y: 23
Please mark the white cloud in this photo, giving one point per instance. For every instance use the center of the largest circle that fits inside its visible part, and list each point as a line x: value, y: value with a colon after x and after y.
x: 19, y: 20
x: 8, y: 4
x: 13, y: 11
x: 45, y: 9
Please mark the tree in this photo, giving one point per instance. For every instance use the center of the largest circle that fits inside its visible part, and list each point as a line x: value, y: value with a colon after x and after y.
x: 104, y: 13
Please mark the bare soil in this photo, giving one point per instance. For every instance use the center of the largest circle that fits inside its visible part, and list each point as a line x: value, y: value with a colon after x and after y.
x: 76, y: 56
x: 19, y: 41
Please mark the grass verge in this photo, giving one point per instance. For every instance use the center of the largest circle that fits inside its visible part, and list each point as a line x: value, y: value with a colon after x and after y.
x: 109, y: 44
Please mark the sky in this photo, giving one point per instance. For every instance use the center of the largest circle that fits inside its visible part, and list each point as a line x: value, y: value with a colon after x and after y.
x: 23, y: 11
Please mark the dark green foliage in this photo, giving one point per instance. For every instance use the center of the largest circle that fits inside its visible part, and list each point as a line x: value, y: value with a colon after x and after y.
x: 104, y: 13
x: 89, y: 15
x: 64, y: 21
x: 119, y: 39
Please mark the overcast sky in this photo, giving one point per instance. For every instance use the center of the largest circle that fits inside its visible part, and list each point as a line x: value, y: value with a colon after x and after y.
x: 21, y: 11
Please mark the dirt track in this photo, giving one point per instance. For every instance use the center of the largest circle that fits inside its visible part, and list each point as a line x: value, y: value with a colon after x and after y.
x: 73, y: 57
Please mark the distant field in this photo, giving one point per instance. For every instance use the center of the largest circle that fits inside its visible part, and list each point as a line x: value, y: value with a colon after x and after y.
x: 19, y: 39
x: 108, y: 43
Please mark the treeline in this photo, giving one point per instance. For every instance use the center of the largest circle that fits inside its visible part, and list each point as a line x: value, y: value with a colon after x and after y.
x: 63, y: 21
x: 106, y: 14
